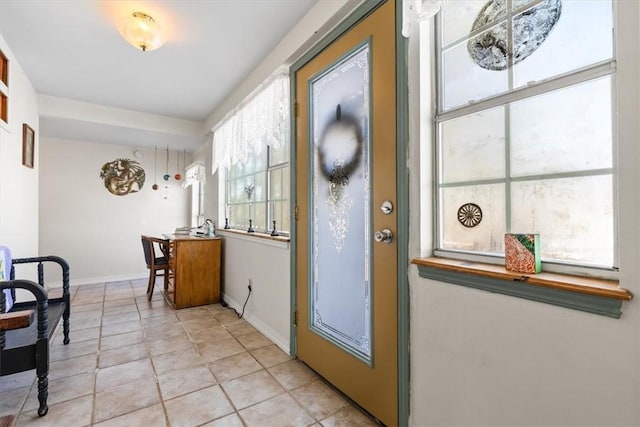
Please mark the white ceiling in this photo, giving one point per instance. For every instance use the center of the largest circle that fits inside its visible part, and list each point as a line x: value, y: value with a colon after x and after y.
x: 72, y: 51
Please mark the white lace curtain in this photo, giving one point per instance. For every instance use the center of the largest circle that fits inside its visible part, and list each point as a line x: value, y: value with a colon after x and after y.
x: 194, y: 172
x: 259, y: 121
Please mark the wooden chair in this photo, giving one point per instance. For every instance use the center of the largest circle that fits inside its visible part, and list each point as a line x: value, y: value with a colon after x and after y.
x: 155, y: 263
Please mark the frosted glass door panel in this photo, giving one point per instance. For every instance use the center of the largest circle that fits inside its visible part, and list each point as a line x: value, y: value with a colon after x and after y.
x: 340, y: 244
x: 478, y: 136
x: 488, y: 235
x: 563, y: 131
x: 574, y: 217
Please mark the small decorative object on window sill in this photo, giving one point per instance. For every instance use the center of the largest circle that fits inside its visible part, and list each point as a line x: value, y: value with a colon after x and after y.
x: 274, y: 232
x: 226, y: 224
x: 250, y: 229
x: 522, y: 253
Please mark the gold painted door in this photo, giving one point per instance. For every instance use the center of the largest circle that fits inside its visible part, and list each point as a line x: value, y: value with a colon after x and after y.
x: 346, y: 254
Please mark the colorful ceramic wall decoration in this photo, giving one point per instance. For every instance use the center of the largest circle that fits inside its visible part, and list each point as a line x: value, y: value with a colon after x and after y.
x: 122, y: 176
x: 522, y: 253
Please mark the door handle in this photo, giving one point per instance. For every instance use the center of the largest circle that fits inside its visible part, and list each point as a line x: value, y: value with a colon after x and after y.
x: 383, y: 236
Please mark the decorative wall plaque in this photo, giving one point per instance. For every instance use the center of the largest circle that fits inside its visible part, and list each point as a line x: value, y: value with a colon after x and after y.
x: 122, y: 176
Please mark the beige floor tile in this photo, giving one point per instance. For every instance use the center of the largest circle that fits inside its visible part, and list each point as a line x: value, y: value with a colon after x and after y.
x: 348, y: 417
x: 121, y: 340
x: 254, y: 340
x: 226, y: 317
x: 209, y: 335
x: 198, y: 407
x: 79, y: 335
x: 177, y: 360
x: 280, y: 411
x: 220, y: 349
x: 81, y: 308
x: 19, y: 380
x: 167, y: 345
x: 200, y: 324
x: 214, y: 308
x: 72, y: 413
x: 121, y: 355
x: 193, y: 313
x: 122, y: 374
x: 292, y: 374
x: 270, y: 355
x: 251, y: 389
x: 234, y: 366
x: 240, y: 328
x: 163, y: 331
x: 79, y: 324
x: 12, y: 400
x: 169, y: 317
x: 121, y: 328
x: 63, y: 389
x: 178, y: 382
x: 120, y: 318
x: 120, y: 309
x: 59, y: 351
x: 232, y: 420
x: 319, y: 399
x: 74, y: 366
x: 152, y: 416
x: 125, y: 398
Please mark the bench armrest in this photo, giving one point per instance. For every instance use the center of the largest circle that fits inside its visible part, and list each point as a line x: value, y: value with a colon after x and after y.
x: 42, y: 302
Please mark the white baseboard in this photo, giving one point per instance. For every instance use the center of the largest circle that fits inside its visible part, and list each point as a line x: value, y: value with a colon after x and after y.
x: 259, y: 325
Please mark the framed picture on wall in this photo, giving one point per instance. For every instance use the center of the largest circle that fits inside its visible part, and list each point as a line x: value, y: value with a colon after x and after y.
x: 28, y: 145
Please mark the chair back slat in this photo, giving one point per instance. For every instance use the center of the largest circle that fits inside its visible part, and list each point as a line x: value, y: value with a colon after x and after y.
x: 149, y: 253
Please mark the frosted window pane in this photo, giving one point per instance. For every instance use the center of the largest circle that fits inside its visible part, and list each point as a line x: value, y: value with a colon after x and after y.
x: 566, y: 130
x: 458, y: 18
x: 473, y: 146
x: 276, y: 184
x: 574, y: 217
x: 488, y: 236
x: 517, y: 4
x: 465, y: 81
x: 581, y: 37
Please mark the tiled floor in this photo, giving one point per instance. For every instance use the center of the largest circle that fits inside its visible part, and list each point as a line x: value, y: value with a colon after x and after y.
x: 137, y: 363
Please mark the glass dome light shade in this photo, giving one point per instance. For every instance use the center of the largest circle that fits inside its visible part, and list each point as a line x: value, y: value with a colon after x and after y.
x: 141, y: 31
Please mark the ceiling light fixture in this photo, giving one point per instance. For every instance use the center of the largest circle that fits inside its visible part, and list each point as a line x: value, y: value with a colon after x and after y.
x: 141, y: 31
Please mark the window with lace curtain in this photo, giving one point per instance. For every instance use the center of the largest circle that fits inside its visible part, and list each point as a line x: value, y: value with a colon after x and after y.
x: 252, y: 148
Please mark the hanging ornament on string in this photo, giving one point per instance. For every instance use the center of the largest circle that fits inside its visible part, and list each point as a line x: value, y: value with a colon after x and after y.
x: 177, y: 176
x: 166, y: 174
x: 155, y: 171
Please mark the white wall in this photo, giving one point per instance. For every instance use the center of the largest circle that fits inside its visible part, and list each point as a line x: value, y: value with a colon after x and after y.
x: 266, y: 264
x: 486, y: 359
x: 19, y: 184
x: 97, y: 232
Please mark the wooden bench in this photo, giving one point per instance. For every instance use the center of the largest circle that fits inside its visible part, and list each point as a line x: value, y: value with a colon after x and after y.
x: 24, y: 344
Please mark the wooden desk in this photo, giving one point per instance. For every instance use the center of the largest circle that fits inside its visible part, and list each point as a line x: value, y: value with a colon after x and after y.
x: 194, y: 271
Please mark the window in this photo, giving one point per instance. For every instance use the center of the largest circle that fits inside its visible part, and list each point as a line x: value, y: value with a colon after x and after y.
x: 195, y: 177
x: 525, y: 127
x: 252, y: 145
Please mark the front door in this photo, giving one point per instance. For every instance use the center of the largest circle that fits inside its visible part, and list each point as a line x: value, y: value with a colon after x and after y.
x: 346, y: 254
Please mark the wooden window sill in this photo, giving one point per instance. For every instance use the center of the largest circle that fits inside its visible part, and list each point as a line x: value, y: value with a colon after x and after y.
x: 581, y: 293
